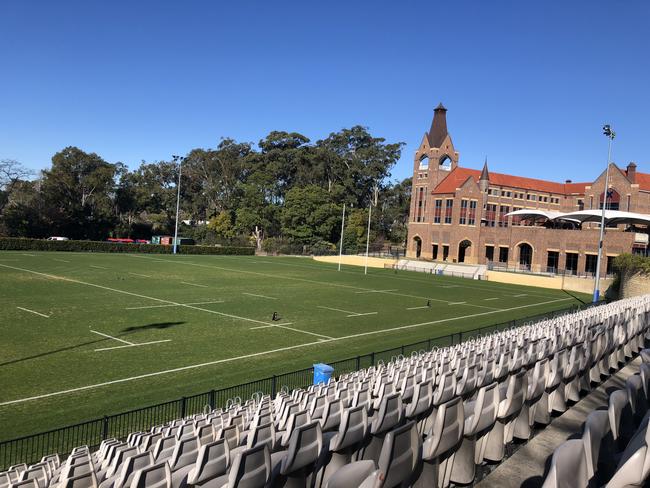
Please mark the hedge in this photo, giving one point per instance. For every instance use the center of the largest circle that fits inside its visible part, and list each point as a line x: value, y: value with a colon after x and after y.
x: 23, y: 244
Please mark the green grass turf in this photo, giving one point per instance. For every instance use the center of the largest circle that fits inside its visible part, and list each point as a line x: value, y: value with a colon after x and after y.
x: 40, y: 356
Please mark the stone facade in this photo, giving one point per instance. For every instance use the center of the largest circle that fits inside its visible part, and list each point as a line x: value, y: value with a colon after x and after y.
x: 458, y: 214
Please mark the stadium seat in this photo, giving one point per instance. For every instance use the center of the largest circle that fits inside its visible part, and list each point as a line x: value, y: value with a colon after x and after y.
x: 568, y: 467
x: 153, y: 476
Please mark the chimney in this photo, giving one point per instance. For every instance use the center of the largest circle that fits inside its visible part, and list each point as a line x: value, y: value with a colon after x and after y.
x: 568, y: 182
x: 631, y: 172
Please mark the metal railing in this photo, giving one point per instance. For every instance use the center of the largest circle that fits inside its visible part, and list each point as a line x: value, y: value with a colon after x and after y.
x: 31, y: 448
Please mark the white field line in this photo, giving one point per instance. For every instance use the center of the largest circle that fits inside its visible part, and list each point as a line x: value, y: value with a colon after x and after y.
x: 269, y: 326
x: 32, y: 311
x: 259, y: 296
x: 132, y: 345
x: 418, y: 308
x: 172, y: 305
x: 375, y: 291
x: 160, y: 300
x: 97, y: 267
x: 272, y: 351
x: 194, y: 284
x: 520, y: 295
x: 306, y: 280
x: 457, y: 303
x: 27, y: 254
x: 448, y: 302
x: 361, y: 314
x: 140, y: 275
x: 336, y: 309
x: 60, y: 260
x: 423, y: 281
x: 111, y: 337
x: 488, y: 299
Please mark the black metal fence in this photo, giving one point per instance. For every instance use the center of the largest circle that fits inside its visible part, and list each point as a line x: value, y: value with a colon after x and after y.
x: 30, y: 449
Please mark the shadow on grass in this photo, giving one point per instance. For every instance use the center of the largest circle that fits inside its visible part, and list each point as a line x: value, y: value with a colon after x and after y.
x: 55, y: 351
x: 574, y: 296
x: 156, y: 325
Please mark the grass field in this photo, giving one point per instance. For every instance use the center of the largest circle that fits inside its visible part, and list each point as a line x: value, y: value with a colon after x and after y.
x: 90, y: 334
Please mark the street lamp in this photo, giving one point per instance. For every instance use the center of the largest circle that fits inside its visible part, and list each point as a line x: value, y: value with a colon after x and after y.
x: 610, y: 134
x: 179, y: 160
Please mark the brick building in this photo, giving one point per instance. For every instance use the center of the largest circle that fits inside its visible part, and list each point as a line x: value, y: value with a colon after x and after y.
x: 460, y: 215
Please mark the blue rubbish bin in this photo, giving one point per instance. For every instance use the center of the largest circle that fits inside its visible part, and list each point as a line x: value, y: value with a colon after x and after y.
x: 322, y: 373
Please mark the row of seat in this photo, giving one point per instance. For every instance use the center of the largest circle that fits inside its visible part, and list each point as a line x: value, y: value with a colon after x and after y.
x: 424, y: 420
x: 614, y: 448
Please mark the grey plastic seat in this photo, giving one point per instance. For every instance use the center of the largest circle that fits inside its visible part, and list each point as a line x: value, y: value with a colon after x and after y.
x: 467, y: 383
x: 148, y: 442
x: 535, y: 390
x: 634, y: 466
x: 38, y: 473
x: 340, y: 448
x: 512, y: 394
x: 262, y: 434
x: 118, y: 458
x: 400, y: 455
x: 154, y: 476
x: 87, y: 480
x: 568, y: 466
x: 421, y: 404
x: 389, y: 416
x: 446, y: 389
x: 164, y: 448
x: 331, y: 416
x: 205, y: 433
x: 294, y: 467
x: 362, y: 397
x: 441, y: 444
x: 620, y: 418
x: 480, y: 417
x: 634, y: 387
x: 596, y: 438
x: 231, y: 435
x: 362, y: 474
x: 212, y: 462
x: 184, y: 454
x: 30, y: 483
x: 251, y: 468
x: 296, y: 419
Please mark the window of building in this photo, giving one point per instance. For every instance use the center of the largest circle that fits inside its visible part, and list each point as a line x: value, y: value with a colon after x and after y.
x: 496, y: 192
x: 419, y: 216
x: 571, y: 264
x: 445, y: 252
x: 516, y: 219
x: 449, y: 207
x: 552, y: 261
x: 434, y: 252
x: 507, y: 194
x: 591, y: 202
x: 613, y: 200
x: 628, y: 202
x: 489, y: 192
x: 489, y: 253
x: 463, y: 212
x: 424, y: 162
x: 503, y: 254
x: 610, y: 265
x: 471, y: 219
x: 437, y: 211
x: 581, y: 204
x: 490, y: 214
x: 590, y: 263
x: 503, y: 211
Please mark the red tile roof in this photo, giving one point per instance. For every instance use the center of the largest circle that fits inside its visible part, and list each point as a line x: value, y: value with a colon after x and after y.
x: 458, y: 176
x: 643, y: 180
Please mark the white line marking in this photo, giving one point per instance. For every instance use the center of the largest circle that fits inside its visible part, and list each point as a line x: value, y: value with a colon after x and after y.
x: 521, y: 295
x: 360, y: 314
x: 140, y: 275
x: 375, y: 291
x: 336, y: 309
x: 194, y: 284
x: 97, y: 267
x: 26, y: 254
x: 101, y: 287
x: 132, y: 345
x: 457, y: 303
x: 488, y: 299
x: 173, y: 305
x: 304, y: 331
x: 32, y: 311
x: 262, y: 353
x: 111, y: 337
x: 61, y: 260
x: 451, y: 286
x: 418, y: 308
x: 270, y: 325
x: 259, y: 296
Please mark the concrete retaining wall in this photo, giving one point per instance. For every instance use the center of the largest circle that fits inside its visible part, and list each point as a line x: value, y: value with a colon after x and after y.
x: 634, y: 284
x: 356, y: 260
x: 570, y: 283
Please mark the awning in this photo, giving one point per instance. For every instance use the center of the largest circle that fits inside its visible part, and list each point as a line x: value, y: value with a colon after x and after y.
x: 612, y: 217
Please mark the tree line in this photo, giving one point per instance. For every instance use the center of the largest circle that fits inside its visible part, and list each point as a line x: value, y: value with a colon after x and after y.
x: 285, y: 193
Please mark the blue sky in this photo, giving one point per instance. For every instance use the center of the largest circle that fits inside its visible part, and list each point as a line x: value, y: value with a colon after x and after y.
x: 529, y: 84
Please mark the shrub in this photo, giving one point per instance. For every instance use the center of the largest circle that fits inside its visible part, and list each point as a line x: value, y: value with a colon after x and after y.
x: 632, y: 263
x: 24, y: 244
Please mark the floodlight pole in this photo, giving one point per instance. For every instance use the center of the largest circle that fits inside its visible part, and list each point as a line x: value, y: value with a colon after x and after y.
x: 342, y: 230
x: 610, y: 135
x: 368, y: 237
x: 178, y: 200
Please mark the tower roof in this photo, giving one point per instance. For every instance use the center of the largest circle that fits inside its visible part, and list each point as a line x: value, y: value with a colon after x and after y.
x: 438, y: 130
x: 484, y: 174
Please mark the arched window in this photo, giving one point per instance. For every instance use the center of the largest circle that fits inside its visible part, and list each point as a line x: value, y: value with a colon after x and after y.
x: 424, y: 162
x: 613, y: 200
x: 525, y: 255
x: 463, y: 249
x: 445, y: 163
